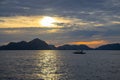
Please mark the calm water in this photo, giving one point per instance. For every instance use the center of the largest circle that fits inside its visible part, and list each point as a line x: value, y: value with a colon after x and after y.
x: 59, y: 65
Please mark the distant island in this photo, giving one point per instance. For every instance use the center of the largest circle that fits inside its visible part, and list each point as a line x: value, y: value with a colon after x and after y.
x: 37, y: 44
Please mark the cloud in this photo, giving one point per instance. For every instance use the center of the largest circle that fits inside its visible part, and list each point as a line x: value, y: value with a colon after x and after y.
x: 53, y: 7
x: 2, y: 21
x: 79, y: 20
x: 62, y: 35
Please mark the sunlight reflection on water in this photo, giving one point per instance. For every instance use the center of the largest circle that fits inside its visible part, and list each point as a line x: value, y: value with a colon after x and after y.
x: 48, y: 64
x: 59, y: 65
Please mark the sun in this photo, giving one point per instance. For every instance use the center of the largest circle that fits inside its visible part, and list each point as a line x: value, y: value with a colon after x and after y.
x: 47, y: 21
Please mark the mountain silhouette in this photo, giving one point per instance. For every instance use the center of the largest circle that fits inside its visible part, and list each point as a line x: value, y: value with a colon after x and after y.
x: 115, y: 46
x: 35, y: 44
x: 74, y: 47
x: 52, y: 47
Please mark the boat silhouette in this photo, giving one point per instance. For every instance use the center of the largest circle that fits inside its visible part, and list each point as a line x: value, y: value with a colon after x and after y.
x: 79, y: 52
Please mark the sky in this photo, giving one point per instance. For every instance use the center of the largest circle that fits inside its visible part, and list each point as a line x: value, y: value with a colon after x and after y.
x: 90, y: 22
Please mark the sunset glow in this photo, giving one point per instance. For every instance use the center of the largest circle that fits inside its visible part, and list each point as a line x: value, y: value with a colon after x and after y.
x: 90, y: 43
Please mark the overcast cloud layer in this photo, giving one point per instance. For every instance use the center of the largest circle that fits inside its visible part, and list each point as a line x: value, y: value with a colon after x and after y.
x: 92, y: 20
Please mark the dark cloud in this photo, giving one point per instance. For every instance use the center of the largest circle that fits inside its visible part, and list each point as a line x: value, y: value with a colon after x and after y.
x: 96, y: 11
x: 40, y: 7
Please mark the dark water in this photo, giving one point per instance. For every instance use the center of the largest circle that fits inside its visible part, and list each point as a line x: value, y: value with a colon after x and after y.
x: 59, y: 65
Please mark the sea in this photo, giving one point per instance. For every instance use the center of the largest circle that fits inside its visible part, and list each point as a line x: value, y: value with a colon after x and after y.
x: 59, y: 65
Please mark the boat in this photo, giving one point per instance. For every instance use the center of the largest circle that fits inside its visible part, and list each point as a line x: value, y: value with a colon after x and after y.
x: 79, y: 52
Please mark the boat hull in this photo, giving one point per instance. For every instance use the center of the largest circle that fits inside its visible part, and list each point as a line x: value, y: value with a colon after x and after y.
x: 79, y: 53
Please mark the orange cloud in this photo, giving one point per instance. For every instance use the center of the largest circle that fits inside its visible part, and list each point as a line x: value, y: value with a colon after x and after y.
x: 116, y: 22
x: 90, y: 43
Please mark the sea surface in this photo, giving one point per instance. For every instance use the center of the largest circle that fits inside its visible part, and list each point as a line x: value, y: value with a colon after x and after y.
x: 59, y: 65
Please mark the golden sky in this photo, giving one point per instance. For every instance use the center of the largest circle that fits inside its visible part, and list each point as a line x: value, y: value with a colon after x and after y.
x: 35, y: 21
x: 27, y: 21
